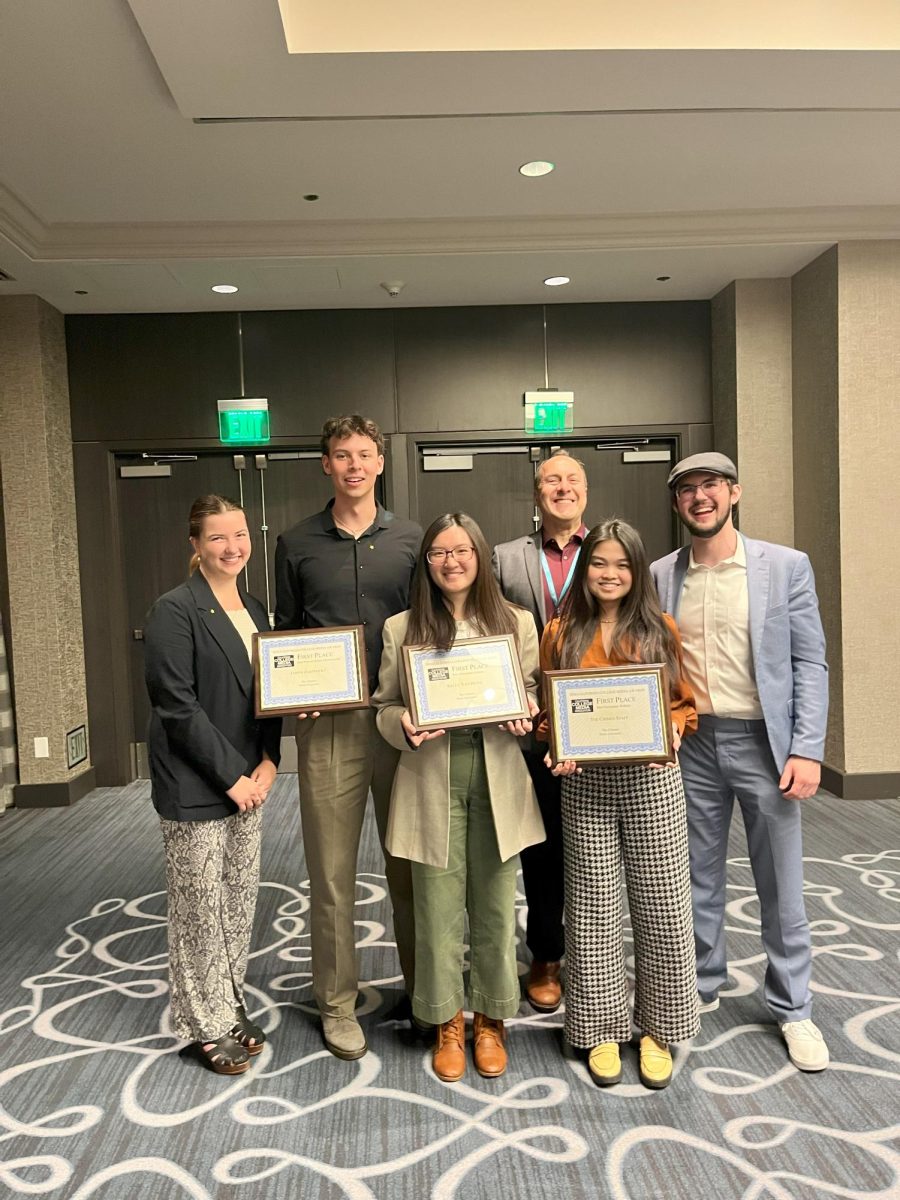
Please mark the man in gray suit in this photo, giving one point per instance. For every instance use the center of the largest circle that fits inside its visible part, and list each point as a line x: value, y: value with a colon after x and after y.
x: 535, y: 571
x: 755, y: 656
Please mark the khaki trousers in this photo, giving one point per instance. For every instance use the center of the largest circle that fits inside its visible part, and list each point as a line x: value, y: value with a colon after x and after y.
x: 340, y: 756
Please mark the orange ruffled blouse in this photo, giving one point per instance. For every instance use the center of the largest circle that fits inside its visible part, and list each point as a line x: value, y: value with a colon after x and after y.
x: 684, y: 712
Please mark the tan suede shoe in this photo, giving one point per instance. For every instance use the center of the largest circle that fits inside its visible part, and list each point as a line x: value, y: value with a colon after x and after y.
x: 449, y: 1055
x: 490, y: 1053
x: 344, y: 1037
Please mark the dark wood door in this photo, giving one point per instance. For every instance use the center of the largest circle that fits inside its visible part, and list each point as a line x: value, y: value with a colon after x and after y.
x: 275, y: 489
x: 629, y: 482
x: 495, y: 485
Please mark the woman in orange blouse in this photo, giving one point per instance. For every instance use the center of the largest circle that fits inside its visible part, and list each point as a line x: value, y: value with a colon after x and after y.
x: 632, y: 813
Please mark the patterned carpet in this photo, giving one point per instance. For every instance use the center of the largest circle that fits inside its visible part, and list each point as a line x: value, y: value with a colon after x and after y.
x: 95, y: 1102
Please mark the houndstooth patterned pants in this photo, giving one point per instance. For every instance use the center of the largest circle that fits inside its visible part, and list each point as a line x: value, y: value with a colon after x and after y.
x: 634, y: 814
x: 212, y: 877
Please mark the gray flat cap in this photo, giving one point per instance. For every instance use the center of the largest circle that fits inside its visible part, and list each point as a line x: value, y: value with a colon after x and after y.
x: 710, y: 460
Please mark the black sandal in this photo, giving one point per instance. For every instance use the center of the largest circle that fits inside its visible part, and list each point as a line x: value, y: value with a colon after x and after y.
x: 225, y: 1055
x: 247, y: 1033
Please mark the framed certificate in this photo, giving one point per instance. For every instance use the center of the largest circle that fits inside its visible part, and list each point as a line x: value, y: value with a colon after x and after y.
x: 478, y: 681
x: 609, y: 715
x: 306, y: 670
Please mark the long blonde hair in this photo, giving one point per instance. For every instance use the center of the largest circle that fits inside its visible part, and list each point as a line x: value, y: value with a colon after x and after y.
x: 203, y: 507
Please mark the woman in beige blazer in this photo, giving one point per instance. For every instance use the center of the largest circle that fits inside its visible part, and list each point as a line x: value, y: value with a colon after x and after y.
x: 462, y: 805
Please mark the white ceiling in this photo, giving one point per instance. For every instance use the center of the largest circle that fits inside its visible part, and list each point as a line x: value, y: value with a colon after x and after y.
x: 149, y: 149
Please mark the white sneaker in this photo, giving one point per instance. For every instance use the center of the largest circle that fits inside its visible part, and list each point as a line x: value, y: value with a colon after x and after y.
x: 707, y: 1005
x: 805, y: 1045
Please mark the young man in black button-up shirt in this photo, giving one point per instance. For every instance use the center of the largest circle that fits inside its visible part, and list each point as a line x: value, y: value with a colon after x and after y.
x: 349, y: 564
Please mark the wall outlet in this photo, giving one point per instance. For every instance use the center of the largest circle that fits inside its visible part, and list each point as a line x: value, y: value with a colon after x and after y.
x: 42, y: 747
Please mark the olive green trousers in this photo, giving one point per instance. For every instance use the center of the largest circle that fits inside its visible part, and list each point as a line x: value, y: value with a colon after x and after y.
x: 474, y: 882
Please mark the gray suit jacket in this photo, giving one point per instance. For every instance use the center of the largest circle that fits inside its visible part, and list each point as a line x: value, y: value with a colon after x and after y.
x: 786, y: 639
x: 517, y: 565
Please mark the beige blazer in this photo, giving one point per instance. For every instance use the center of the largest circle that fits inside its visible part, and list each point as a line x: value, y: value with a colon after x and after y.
x: 419, y: 820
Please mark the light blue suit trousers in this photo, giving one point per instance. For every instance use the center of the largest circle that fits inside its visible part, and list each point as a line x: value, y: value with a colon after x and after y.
x: 728, y: 759
x: 725, y: 759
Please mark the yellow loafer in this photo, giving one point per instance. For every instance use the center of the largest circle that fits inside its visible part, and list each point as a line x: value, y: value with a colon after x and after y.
x: 604, y: 1064
x: 656, y: 1063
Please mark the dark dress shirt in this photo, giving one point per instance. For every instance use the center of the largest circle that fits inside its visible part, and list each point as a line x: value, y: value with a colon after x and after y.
x: 324, y: 576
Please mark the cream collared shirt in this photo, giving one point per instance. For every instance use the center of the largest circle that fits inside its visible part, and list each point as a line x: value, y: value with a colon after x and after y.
x: 714, y: 620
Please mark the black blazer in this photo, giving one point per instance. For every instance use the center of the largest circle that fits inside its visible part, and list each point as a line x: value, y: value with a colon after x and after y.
x: 203, y: 733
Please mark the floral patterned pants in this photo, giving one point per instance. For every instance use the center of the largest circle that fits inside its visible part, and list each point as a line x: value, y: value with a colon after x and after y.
x: 212, y: 877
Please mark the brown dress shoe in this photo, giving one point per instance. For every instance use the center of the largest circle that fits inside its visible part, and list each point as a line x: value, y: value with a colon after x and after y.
x: 449, y: 1055
x: 490, y: 1054
x: 543, y: 988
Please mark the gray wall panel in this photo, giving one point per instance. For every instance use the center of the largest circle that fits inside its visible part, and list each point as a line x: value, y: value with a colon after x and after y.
x: 466, y: 368
x: 150, y: 375
x: 632, y: 364
x: 157, y: 376
x: 311, y: 365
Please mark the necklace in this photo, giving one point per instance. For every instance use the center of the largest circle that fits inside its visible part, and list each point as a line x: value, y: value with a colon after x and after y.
x: 356, y: 533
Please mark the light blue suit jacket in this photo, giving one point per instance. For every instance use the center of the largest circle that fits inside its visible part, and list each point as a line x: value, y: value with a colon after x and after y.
x: 786, y: 638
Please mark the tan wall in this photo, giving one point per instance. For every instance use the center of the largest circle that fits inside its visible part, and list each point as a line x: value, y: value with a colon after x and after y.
x: 751, y: 375
x: 847, y: 488
x: 723, y: 343
x: 41, y: 544
x: 869, y: 435
x: 817, y: 463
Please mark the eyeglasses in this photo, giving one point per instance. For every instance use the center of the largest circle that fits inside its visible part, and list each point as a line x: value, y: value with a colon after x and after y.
x: 462, y: 554
x: 709, y: 487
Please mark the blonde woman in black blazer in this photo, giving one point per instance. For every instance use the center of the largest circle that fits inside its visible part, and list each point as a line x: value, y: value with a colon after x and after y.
x: 212, y: 764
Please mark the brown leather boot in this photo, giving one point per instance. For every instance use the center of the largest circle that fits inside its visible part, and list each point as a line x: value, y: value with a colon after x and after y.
x: 543, y: 988
x: 449, y: 1055
x: 489, y: 1038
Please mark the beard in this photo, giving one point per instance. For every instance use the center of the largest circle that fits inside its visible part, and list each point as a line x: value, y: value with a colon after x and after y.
x: 706, y: 531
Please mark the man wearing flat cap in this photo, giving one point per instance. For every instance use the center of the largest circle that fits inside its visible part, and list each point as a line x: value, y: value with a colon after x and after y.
x: 754, y: 655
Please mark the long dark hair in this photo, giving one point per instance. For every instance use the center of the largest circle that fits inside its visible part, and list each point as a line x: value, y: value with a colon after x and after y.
x: 431, y: 622
x: 640, y: 633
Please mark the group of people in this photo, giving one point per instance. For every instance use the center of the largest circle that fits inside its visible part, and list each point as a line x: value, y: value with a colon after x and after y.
x: 734, y: 623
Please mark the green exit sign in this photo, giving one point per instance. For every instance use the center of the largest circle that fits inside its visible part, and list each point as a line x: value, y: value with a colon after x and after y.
x: 244, y: 422
x: 549, y: 412
x: 549, y: 418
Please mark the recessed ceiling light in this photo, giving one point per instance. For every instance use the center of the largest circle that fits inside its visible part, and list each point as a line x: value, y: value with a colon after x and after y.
x: 534, y: 169
x: 663, y: 278
x: 80, y: 292
x: 556, y: 280
x: 224, y: 289
x: 311, y: 196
